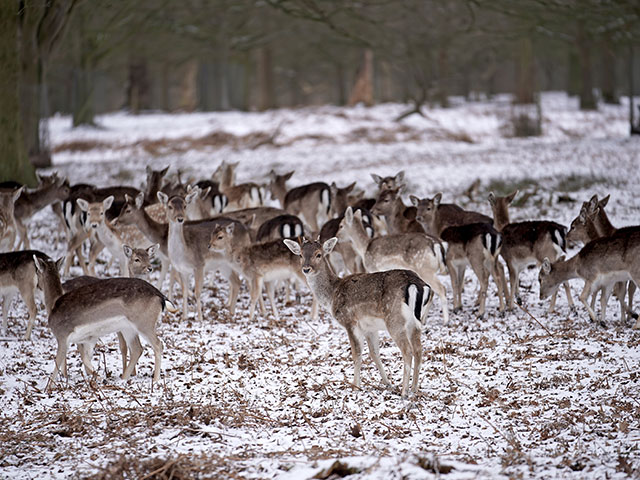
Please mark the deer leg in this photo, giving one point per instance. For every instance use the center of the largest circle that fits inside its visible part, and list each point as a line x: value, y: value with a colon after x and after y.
x: 416, y: 347
x: 270, y: 293
x: 22, y: 232
x: 234, y: 290
x: 497, y: 273
x: 586, y: 291
x: 199, y: 279
x: 86, y: 350
x: 132, y: 343
x: 482, y: 274
x: 400, y: 336
x: 28, y: 295
x: 184, y: 279
x: 60, y: 365
x: 513, y: 284
x: 567, y: 291
x: 455, y: 286
x: 439, y: 289
x: 356, y: 354
x: 75, y: 246
x: 374, y: 352
x: 148, y: 330
x: 6, y: 303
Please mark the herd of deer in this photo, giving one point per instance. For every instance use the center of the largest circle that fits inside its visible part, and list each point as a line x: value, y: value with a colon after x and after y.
x: 391, y: 255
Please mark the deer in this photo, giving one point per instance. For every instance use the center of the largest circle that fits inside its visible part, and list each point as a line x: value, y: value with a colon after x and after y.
x: 389, y: 182
x: 8, y: 228
x: 261, y: 264
x: 527, y: 243
x: 591, y: 223
x: 104, y: 231
x: 51, y: 190
x: 215, y: 201
x: 340, y: 198
x: 399, y: 217
x: 476, y: 245
x: 153, y: 184
x: 278, y: 185
x: 344, y: 251
x: 435, y: 216
x: 18, y: 275
x: 129, y: 306
x: 239, y: 196
x: 187, y: 244
x: 601, y: 263
x: 282, y: 226
x: 419, y: 252
x: 253, y: 218
x: 365, y: 303
x: 311, y: 202
x: 139, y: 267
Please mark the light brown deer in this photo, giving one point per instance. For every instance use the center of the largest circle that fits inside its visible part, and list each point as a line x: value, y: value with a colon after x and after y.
x: 527, y: 243
x: 311, y: 202
x: 366, y: 303
x: 601, y: 264
x: 127, y: 305
x: 412, y: 251
x: 435, y: 216
x: 389, y: 182
x: 399, y: 217
x: 476, y: 245
x: 189, y: 253
x: 18, y: 275
x: 261, y: 264
x: 8, y: 228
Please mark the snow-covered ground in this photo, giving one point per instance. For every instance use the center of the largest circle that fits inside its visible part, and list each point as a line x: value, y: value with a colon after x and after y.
x: 508, y: 396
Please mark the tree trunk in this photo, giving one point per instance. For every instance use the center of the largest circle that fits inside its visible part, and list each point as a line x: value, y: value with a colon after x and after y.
x: 83, y: 106
x: 525, y: 72
x: 164, y: 87
x: 443, y: 76
x: 608, y: 72
x: 362, y: 91
x: 189, y: 87
x: 266, y: 99
x: 15, y: 163
x: 138, y: 86
x: 341, y: 91
x: 587, y: 99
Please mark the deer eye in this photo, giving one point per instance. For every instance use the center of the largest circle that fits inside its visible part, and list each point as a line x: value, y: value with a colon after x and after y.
x: 137, y: 260
x: 220, y: 237
x: 318, y: 255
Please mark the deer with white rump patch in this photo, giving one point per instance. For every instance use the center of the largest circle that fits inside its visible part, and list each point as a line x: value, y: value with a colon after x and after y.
x: 366, y: 303
x: 419, y: 252
x: 527, y: 243
x: 127, y: 305
x: 601, y: 263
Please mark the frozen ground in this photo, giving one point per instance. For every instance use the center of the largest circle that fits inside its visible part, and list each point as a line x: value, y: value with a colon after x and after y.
x: 508, y: 396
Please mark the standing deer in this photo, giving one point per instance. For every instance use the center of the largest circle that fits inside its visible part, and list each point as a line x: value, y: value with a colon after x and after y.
x: 412, y: 251
x: 365, y: 303
x: 8, y: 228
x: 435, y: 216
x: 127, y: 305
x: 527, y: 243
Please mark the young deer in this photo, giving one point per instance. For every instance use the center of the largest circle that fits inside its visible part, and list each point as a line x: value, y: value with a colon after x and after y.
x: 340, y: 198
x: 412, y: 251
x: 390, y: 182
x: 154, y: 184
x: 400, y: 218
x: 476, y: 245
x: 365, y: 303
x: 8, y: 228
x: 278, y: 186
x: 105, y: 232
x: 127, y: 305
x: 239, y: 196
x: 18, y: 275
x: 253, y: 218
x: 601, y: 263
x: 51, y: 190
x: 261, y: 264
x: 527, y: 243
x: 188, y: 250
x: 435, y: 216
x: 139, y: 266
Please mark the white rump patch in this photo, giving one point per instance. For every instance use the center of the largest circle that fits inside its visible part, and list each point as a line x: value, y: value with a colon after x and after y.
x: 325, y: 199
x: 217, y: 204
x: 558, y: 240
x: 286, y: 231
x: 298, y: 230
x: 255, y: 196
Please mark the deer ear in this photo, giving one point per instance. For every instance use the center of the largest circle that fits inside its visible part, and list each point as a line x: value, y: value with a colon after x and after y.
x: 593, y: 204
x: 358, y: 215
x: 152, y: 250
x: 60, y: 262
x: 327, y: 246
x: 164, y: 171
x: 603, y: 203
x: 437, y: 198
x: 399, y: 178
x: 511, y: 196
x: 230, y: 228
x: 492, y: 199
x: 83, y: 204
x: 348, y: 215
x: 546, y: 266
x: 192, y: 195
x: 163, y: 197
x: 376, y: 178
x: 414, y: 200
x: 38, y: 263
x: 349, y: 188
x: 107, y: 202
x: 148, y: 169
x: 128, y: 251
x: 293, y: 246
x: 139, y: 200
x: 17, y: 193
x: 287, y: 176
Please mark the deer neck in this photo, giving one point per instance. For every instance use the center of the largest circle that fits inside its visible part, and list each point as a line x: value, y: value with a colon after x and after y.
x: 564, y: 270
x: 501, y: 218
x: 324, y: 284
x: 397, y: 221
x: 279, y: 192
x: 359, y: 239
x: 52, y: 292
x: 603, y: 225
x: 154, y: 231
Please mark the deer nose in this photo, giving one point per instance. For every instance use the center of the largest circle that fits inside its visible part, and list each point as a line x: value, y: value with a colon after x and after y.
x: 180, y: 219
x: 306, y: 270
x: 94, y: 225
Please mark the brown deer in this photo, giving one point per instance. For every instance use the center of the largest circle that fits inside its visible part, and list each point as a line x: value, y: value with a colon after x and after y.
x: 399, y: 217
x: 8, y: 228
x: 129, y: 306
x: 435, y: 216
x: 366, y: 303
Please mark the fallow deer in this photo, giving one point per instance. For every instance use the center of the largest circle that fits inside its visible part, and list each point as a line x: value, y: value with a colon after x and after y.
x: 282, y: 226
x: 18, y: 275
x: 399, y: 217
x: 51, y: 190
x: 365, y: 303
x: 239, y: 196
x: 104, y: 231
x: 8, y: 228
x: 476, y: 245
x: 419, y: 252
x: 154, y: 184
x: 187, y: 244
x: 527, y: 243
x: 311, y: 202
x: 139, y: 267
x: 127, y: 305
x: 600, y: 263
x: 261, y: 264
x: 278, y: 186
x: 389, y: 182
x: 435, y: 216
